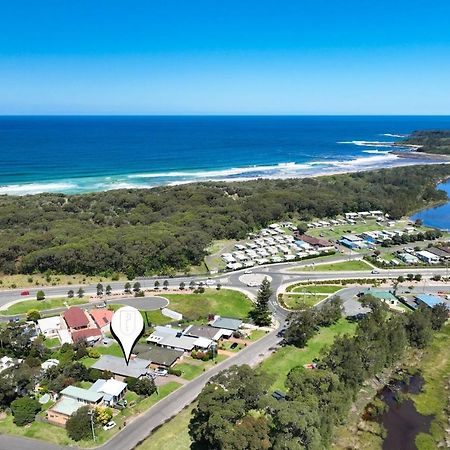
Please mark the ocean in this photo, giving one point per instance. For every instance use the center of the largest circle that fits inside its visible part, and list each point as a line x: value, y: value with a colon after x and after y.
x: 85, y: 154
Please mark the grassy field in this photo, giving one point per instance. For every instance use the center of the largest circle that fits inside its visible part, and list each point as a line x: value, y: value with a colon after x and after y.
x: 192, y: 368
x: 172, y: 435
x: 256, y: 334
x: 316, y: 289
x: 302, y: 301
x: 283, y: 360
x: 224, y: 302
x: 41, y: 305
x: 435, y: 369
x: 19, y: 281
x: 336, y: 267
x: 52, y: 342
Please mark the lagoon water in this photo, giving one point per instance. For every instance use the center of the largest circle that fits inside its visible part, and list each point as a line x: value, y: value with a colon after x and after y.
x: 438, y: 217
x: 82, y: 154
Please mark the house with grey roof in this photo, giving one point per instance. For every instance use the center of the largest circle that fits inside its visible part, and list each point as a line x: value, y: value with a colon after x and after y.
x: 136, y: 367
x: 226, y: 323
x: 204, y: 331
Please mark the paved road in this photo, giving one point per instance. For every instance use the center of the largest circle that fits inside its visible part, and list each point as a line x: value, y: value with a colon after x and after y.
x: 142, y: 426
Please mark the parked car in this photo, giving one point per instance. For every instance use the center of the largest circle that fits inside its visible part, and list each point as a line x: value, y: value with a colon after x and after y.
x: 161, y: 372
x: 25, y: 293
x: 374, y: 271
x: 233, y: 345
x: 111, y: 424
x: 281, y: 332
x: 210, y: 282
x: 122, y: 403
x: 248, y: 271
x: 252, y: 284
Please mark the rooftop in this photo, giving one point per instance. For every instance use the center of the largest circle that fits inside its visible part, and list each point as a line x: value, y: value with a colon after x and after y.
x: 136, y: 367
x: 109, y: 387
x: 430, y: 300
x: 67, y: 406
x: 81, y: 394
x: 227, y: 323
x: 76, y: 318
x: 101, y: 317
x: 159, y: 355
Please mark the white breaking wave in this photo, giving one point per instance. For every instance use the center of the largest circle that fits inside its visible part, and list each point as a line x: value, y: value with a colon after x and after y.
x: 36, y: 188
x: 369, y: 143
x: 376, y: 152
x: 394, y: 135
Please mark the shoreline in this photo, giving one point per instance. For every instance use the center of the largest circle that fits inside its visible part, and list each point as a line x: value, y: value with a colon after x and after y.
x: 282, y: 171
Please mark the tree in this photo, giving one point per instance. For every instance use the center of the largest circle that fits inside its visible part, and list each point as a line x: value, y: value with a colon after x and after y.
x: 80, y: 292
x: 156, y: 284
x: 439, y: 315
x: 419, y: 328
x: 127, y: 287
x: 70, y: 293
x: 108, y: 289
x: 103, y: 414
x: 260, y: 314
x: 303, y: 327
x: 79, y: 424
x: 40, y: 295
x: 418, y: 277
x: 24, y: 410
x: 330, y: 312
x: 33, y: 314
x: 192, y: 285
x: 144, y: 386
x: 99, y: 289
x: 401, y: 279
x: 136, y: 286
x: 218, y: 286
x: 182, y: 286
x: 166, y: 284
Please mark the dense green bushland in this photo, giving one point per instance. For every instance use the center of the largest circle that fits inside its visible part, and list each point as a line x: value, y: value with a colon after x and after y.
x: 157, y: 230
x: 431, y: 141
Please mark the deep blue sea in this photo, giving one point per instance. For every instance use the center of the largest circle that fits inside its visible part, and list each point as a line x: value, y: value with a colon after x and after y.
x: 82, y: 154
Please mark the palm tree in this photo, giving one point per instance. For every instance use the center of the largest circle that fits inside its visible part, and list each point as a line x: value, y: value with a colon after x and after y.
x: 70, y: 294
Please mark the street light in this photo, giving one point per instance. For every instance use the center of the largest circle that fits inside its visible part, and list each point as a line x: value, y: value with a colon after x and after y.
x: 91, y: 416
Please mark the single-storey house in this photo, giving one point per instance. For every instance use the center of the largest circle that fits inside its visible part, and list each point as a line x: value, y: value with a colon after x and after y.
x: 162, y: 332
x: 90, y: 335
x: 384, y: 296
x: 227, y: 323
x: 429, y: 258
x: 186, y: 343
x: 442, y: 254
x: 159, y: 356
x: 112, y: 390
x: 204, y: 331
x: 408, y: 258
x: 136, y: 367
x: 50, y: 326
x: 76, y: 318
x: 102, y: 317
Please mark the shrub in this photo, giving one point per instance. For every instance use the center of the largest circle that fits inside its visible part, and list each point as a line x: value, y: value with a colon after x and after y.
x: 24, y: 410
x: 176, y: 372
x: 78, y: 426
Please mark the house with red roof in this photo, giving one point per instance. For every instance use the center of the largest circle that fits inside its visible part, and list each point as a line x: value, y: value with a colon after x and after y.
x: 90, y: 335
x: 102, y: 317
x: 76, y: 318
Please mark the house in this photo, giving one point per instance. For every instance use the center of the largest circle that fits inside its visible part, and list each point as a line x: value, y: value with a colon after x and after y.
x: 102, y: 317
x: 76, y: 318
x: 317, y: 243
x: 112, y: 390
x: 49, y: 363
x: 385, y: 296
x: 427, y: 257
x: 159, y: 356
x: 204, y: 331
x: 90, y: 335
x: 162, y: 332
x: 72, y: 399
x: 442, y: 254
x: 136, y: 367
x: 429, y: 300
x: 6, y: 362
x: 227, y: 323
x: 408, y: 259
x: 186, y: 343
x: 50, y: 326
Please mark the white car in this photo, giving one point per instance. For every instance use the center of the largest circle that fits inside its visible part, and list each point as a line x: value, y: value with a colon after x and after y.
x: 247, y: 271
x: 111, y: 424
x: 210, y: 282
x: 252, y: 284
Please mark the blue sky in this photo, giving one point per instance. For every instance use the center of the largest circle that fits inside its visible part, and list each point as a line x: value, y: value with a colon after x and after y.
x: 225, y: 57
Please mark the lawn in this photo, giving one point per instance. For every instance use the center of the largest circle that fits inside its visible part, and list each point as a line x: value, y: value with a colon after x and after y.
x: 224, y: 302
x: 257, y: 334
x: 435, y: 369
x: 113, y: 350
x: 316, y: 289
x: 52, y: 343
x: 336, y: 267
x: 172, y: 435
x: 154, y: 317
x: 302, y: 301
x: 192, y: 368
x: 41, y: 305
x: 286, y: 358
